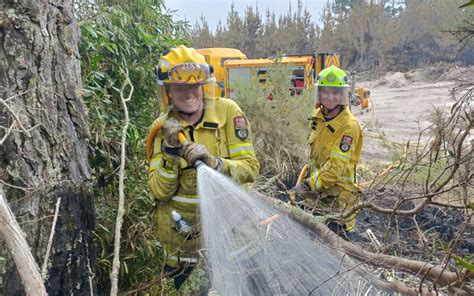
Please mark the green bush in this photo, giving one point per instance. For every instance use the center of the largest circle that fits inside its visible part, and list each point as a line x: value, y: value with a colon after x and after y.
x: 116, y: 36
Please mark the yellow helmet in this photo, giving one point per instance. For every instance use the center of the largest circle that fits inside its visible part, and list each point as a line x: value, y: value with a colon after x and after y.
x: 184, y: 65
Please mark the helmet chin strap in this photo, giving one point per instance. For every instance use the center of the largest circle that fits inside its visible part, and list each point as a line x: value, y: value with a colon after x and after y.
x: 188, y: 114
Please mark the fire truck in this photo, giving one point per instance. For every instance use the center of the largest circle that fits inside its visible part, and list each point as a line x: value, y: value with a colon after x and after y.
x: 302, y: 69
x: 232, y: 67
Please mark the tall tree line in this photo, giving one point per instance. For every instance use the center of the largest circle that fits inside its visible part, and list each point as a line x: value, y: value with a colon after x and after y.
x: 387, y: 34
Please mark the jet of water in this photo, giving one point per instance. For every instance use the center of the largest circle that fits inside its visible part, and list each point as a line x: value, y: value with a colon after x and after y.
x: 255, y: 250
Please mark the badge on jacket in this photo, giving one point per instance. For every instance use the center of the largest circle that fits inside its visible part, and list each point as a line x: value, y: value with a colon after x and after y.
x: 345, y: 143
x: 241, y: 129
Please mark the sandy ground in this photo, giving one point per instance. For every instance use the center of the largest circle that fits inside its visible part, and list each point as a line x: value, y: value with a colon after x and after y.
x: 403, y: 104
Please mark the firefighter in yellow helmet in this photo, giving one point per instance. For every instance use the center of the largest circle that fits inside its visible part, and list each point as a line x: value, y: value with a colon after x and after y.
x: 335, y: 147
x: 217, y: 133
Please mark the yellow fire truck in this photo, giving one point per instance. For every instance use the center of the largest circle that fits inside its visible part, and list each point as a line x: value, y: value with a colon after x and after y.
x: 303, y: 70
x: 217, y: 57
x: 231, y: 67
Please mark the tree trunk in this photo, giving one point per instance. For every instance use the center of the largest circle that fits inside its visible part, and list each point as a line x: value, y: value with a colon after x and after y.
x: 46, y: 154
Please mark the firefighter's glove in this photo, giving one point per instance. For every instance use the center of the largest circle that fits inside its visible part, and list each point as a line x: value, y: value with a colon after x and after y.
x: 193, y: 152
x: 170, y: 130
x: 170, y: 145
x: 298, y: 192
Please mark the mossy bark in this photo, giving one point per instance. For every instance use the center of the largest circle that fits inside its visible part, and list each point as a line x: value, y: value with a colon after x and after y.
x: 39, y: 59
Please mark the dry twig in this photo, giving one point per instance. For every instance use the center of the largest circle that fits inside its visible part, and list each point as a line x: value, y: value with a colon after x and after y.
x: 120, y: 211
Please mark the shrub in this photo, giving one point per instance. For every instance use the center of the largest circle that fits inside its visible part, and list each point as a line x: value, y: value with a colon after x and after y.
x: 279, y: 126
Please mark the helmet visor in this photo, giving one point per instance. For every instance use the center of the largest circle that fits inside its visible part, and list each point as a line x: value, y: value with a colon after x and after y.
x: 328, y: 95
x: 189, y: 73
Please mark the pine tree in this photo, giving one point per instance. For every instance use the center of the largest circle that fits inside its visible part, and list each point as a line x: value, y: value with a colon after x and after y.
x: 201, y: 34
x: 234, y: 36
x: 253, y: 31
x: 269, y: 45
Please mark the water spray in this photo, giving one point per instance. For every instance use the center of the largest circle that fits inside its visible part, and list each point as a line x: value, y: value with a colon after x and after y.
x: 253, y: 249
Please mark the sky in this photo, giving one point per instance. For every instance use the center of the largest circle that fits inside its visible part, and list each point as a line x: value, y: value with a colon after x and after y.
x: 213, y: 10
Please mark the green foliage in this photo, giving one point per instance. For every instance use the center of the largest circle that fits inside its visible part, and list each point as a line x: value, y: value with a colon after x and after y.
x: 465, y: 263
x: 470, y: 3
x: 197, y: 283
x: 124, y: 35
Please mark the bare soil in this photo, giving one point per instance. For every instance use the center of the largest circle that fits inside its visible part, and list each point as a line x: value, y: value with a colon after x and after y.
x: 402, y: 105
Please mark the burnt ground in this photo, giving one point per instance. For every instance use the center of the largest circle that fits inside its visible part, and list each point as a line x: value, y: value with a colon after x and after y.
x: 424, y: 236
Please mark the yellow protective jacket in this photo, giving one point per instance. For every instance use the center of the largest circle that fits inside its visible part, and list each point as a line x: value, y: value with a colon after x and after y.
x: 335, y: 151
x: 225, y: 131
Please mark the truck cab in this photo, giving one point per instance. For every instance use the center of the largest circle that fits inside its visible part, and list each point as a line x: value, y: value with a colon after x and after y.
x: 217, y: 57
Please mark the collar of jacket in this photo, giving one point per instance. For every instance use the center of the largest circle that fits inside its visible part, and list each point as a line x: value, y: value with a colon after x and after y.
x: 213, y: 119
x: 317, y: 113
x: 337, y: 122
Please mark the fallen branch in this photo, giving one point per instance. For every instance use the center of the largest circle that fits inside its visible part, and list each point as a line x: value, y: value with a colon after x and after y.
x: 379, y: 209
x: 269, y: 183
x: 24, y: 261
x: 427, y: 200
x: 430, y: 271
